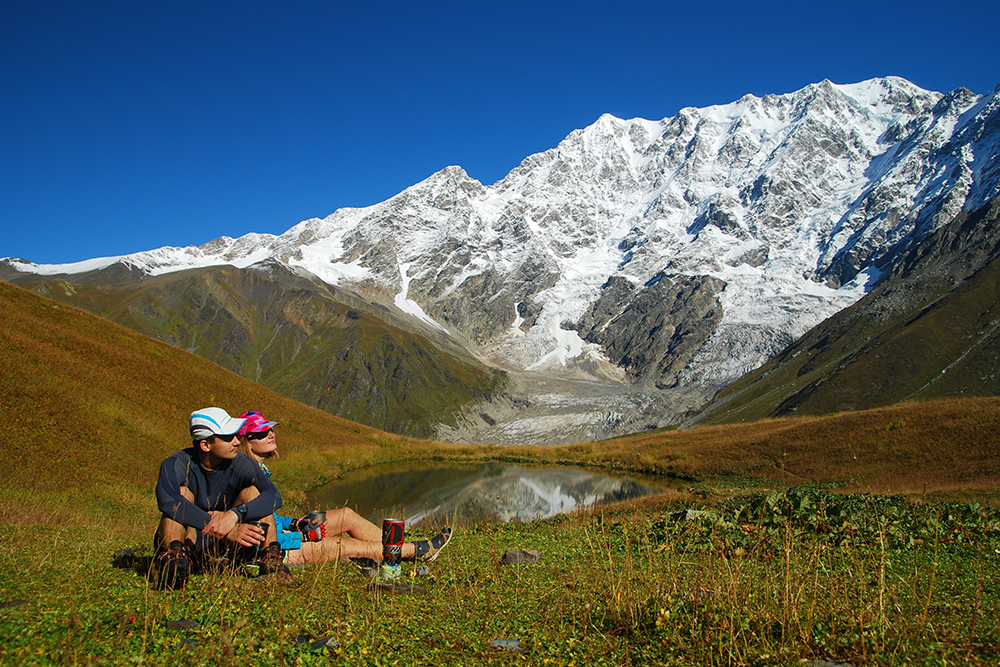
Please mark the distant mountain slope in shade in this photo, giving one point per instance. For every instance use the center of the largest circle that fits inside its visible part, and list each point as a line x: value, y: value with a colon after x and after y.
x: 310, y: 341
x: 930, y: 330
x: 661, y: 259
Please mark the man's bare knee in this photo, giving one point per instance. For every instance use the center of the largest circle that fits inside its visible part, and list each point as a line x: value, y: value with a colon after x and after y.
x: 246, y: 495
x: 172, y: 531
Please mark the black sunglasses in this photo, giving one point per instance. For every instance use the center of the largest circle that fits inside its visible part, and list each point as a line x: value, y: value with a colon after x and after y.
x: 259, y: 436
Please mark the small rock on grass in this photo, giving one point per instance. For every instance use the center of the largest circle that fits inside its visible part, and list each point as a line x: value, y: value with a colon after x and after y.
x: 181, y: 624
x: 329, y: 643
x: 398, y: 588
x: 690, y: 515
x: 512, y: 645
x: 9, y: 604
x: 135, y: 558
x: 520, y: 557
x: 366, y: 566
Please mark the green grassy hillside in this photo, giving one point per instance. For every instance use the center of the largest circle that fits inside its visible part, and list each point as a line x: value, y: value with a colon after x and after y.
x: 319, y: 345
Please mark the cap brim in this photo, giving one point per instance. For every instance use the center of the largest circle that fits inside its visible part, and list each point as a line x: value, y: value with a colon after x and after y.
x: 232, y: 427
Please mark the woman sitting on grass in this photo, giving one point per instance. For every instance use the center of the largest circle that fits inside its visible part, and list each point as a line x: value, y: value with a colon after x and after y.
x: 344, y: 535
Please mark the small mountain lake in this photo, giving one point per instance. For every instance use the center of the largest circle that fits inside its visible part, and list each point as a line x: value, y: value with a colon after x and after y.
x: 456, y: 494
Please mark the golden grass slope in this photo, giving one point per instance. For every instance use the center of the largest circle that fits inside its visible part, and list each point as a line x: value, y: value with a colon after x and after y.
x: 946, y: 447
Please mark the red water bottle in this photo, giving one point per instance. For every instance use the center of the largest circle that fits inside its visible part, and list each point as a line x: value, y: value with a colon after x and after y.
x: 393, y: 531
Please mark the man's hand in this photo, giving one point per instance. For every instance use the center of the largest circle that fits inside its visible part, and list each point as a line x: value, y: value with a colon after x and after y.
x: 221, y: 524
x: 246, y: 534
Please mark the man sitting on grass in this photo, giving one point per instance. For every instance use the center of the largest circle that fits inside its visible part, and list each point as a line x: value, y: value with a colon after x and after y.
x: 205, y: 496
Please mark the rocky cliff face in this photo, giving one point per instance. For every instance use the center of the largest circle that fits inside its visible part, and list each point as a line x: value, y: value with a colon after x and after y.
x: 671, y: 255
x: 659, y: 330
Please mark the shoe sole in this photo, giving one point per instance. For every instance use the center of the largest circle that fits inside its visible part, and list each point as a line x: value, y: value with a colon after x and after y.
x: 438, y: 552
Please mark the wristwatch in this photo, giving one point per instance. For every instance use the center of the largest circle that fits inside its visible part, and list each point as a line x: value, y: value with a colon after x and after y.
x: 241, y: 512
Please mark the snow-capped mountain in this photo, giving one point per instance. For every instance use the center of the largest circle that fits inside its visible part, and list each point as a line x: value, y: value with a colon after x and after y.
x: 675, y: 253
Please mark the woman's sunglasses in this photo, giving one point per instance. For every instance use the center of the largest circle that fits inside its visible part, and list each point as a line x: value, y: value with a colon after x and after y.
x: 259, y: 436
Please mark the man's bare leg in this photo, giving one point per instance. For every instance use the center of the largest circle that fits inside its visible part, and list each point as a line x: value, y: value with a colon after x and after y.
x: 172, y: 531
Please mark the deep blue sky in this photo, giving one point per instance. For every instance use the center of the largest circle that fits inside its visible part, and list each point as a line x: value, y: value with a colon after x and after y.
x: 128, y: 126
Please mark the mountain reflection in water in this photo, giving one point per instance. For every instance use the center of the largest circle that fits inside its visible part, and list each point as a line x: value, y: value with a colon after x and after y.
x: 462, y: 495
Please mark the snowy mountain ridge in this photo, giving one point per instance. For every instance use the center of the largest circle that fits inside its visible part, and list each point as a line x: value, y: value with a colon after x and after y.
x: 685, y: 251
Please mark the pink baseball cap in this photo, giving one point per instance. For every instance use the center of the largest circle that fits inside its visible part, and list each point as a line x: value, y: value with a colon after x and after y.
x: 255, y: 423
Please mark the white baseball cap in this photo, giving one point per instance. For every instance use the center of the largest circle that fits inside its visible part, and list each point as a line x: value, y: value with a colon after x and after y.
x: 213, y: 421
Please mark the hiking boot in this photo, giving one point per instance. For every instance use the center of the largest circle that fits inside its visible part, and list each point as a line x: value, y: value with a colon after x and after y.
x: 172, y: 567
x: 272, y: 560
